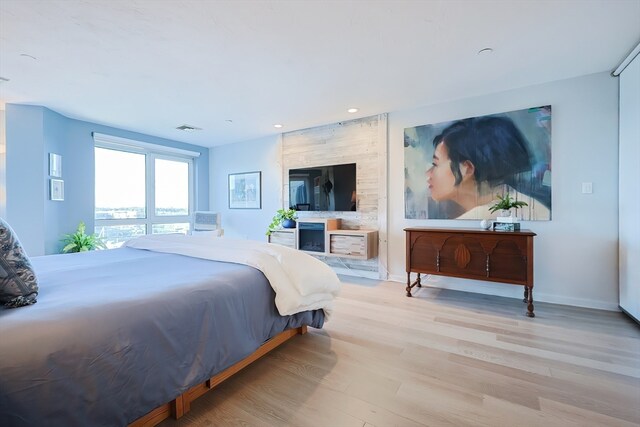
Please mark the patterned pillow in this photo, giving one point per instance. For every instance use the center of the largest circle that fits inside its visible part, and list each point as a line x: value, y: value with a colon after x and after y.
x: 18, y: 284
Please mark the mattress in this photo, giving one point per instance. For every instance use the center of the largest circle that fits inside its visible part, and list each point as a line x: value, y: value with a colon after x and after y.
x: 116, y: 333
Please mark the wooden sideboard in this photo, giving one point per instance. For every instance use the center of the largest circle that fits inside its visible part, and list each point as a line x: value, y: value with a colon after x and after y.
x: 495, y: 256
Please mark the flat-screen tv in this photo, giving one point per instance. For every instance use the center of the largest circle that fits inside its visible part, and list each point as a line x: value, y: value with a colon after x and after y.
x: 323, y: 188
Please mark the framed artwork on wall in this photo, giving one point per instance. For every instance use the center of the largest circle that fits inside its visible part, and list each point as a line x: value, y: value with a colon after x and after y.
x: 55, y: 165
x: 457, y: 169
x: 245, y: 190
x: 56, y: 189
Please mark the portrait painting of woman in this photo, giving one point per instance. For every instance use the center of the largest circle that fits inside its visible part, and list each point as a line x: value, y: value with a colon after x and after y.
x: 455, y: 170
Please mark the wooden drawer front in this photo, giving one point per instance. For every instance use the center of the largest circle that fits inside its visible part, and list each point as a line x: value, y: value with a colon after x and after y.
x: 463, y: 256
x: 424, y: 254
x: 348, y: 245
x: 508, y: 262
x: 284, y: 239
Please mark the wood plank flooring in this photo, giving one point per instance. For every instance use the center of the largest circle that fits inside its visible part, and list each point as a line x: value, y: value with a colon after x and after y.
x: 442, y: 358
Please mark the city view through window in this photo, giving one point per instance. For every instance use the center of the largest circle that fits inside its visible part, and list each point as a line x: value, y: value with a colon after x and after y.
x: 122, y: 189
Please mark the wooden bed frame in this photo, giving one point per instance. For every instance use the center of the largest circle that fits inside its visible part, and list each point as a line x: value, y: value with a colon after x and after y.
x: 182, y: 404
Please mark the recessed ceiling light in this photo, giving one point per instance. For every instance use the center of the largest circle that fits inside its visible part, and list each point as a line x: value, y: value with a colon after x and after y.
x: 485, y: 51
x: 188, y: 128
x: 26, y: 55
x: 229, y: 121
x: 277, y: 126
x: 3, y: 79
x: 352, y: 110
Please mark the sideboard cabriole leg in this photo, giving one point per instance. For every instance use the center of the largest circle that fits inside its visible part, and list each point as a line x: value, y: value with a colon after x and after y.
x: 418, y: 282
x: 530, y: 304
x: 526, y: 295
x: 408, y: 284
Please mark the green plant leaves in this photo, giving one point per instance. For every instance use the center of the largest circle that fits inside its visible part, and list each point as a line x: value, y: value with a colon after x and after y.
x: 69, y: 248
x: 281, y: 215
x: 505, y: 203
x: 81, y: 242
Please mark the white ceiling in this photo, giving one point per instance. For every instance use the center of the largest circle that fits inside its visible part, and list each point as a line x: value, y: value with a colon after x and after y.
x: 149, y: 66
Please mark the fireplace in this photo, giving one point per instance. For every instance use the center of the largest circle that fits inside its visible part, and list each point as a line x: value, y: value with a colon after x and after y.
x: 311, y: 236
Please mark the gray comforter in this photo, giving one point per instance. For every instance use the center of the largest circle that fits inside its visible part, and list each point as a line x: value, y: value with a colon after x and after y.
x: 116, y: 333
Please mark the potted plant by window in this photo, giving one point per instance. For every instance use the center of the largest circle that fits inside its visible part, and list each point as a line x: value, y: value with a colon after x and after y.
x: 81, y: 242
x: 505, y: 204
x: 285, y: 218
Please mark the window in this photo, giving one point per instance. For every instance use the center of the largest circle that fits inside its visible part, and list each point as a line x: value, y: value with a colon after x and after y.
x: 172, y: 187
x: 141, y: 189
x: 120, y: 184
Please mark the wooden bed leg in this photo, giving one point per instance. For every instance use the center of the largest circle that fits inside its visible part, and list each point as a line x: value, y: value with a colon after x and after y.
x: 302, y: 329
x: 177, y: 407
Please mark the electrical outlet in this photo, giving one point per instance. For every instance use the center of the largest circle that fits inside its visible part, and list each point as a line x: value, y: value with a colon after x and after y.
x: 587, y: 187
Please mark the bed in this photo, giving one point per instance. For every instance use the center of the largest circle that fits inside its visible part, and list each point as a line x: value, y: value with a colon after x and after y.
x: 117, y: 334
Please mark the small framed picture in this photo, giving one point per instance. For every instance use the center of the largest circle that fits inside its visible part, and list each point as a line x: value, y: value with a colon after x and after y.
x: 55, y: 165
x: 245, y: 190
x: 57, y: 189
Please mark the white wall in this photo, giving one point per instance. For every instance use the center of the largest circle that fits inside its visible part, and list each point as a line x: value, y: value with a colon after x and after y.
x: 576, y: 254
x: 629, y: 189
x: 257, y: 155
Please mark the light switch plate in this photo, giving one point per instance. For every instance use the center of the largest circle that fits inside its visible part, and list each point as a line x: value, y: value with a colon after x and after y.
x: 587, y: 187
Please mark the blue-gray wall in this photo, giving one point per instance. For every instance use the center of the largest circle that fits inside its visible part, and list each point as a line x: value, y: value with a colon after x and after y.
x: 257, y: 155
x: 26, y: 180
x: 32, y: 132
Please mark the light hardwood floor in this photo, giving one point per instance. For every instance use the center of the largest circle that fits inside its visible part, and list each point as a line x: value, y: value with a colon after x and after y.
x: 442, y: 358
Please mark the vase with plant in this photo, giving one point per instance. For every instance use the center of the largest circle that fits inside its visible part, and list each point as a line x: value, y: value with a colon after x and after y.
x: 505, y: 204
x: 82, y: 242
x: 283, y: 217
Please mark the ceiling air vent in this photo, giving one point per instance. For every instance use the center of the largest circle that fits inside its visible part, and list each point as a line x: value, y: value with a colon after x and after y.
x: 187, y: 128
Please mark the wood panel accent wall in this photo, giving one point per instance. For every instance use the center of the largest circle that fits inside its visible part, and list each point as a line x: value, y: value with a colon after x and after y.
x: 363, y: 142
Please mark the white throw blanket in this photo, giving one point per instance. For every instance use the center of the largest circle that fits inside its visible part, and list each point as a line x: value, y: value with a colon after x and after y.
x: 300, y: 281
